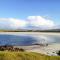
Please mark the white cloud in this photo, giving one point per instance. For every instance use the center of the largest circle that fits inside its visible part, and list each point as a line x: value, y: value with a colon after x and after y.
x: 12, y: 23
x: 34, y: 21
x: 39, y: 21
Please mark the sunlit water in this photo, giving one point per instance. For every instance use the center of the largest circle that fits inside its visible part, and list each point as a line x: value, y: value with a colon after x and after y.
x: 27, y: 39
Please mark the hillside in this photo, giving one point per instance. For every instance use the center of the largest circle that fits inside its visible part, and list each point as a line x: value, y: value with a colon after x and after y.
x: 5, y: 55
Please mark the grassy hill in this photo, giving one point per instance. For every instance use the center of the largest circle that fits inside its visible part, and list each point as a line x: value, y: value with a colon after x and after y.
x: 5, y: 55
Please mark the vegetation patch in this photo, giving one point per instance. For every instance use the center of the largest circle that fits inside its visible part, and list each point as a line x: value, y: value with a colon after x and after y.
x: 8, y: 55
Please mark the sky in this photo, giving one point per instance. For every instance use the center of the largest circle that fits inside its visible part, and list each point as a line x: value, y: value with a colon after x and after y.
x: 42, y: 14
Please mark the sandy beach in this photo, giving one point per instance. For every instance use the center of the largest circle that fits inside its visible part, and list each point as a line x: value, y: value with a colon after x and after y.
x: 32, y: 33
x: 47, y: 50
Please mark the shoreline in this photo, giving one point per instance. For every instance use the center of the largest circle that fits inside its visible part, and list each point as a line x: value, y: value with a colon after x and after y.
x: 37, y: 48
x: 50, y: 50
x: 37, y: 33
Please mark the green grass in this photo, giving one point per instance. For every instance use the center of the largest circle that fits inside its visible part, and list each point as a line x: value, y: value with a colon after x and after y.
x: 4, y: 55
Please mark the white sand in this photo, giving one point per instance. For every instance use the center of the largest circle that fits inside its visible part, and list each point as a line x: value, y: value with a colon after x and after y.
x: 30, y: 33
x: 48, y: 50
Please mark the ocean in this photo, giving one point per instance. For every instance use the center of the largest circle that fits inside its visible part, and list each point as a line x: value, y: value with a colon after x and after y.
x: 27, y: 38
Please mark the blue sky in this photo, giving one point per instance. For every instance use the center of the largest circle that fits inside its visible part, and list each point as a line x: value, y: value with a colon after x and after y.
x: 22, y: 9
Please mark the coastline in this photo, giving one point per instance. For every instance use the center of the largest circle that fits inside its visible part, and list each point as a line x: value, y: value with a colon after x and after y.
x: 48, y: 50
x: 37, y: 33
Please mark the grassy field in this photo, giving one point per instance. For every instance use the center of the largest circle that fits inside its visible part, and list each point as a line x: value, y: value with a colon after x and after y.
x: 5, y: 55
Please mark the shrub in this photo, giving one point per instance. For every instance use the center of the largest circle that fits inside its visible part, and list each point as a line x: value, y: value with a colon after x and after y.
x: 58, y: 53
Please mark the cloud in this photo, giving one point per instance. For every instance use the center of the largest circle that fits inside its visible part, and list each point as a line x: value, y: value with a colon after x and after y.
x: 33, y: 21
x: 11, y: 23
x: 39, y: 21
